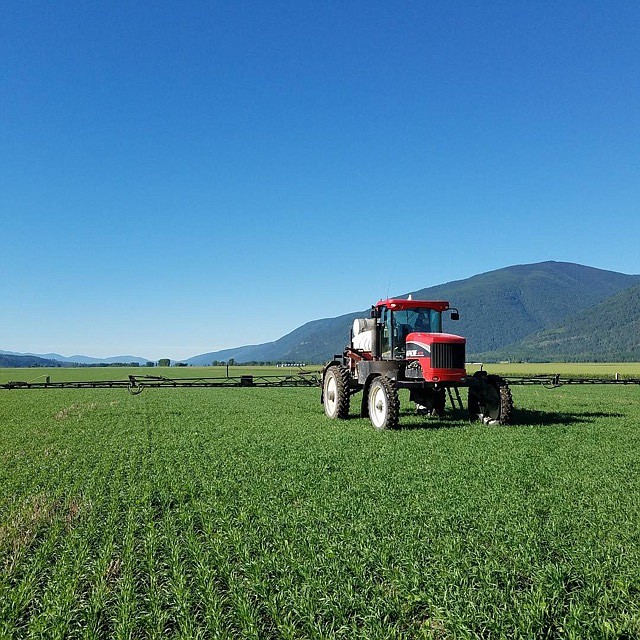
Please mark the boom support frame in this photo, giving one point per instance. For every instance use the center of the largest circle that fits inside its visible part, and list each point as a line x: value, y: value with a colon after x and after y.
x: 135, y: 384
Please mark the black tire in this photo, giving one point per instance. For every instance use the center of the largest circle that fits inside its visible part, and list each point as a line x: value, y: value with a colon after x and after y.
x: 383, y: 403
x: 490, y: 399
x: 335, y: 392
x: 506, y: 402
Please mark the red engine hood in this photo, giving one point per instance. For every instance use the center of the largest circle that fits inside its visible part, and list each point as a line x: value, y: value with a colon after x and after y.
x: 439, y: 364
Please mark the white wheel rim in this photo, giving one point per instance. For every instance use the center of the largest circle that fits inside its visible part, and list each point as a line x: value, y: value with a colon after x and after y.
x: 378, y: 404
x: 331, y: 394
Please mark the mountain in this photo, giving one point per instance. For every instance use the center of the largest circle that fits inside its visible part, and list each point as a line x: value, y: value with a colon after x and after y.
x: 11, y: 360
x: 78, y: 359
x: 609, y: 331
x: 497, y: 308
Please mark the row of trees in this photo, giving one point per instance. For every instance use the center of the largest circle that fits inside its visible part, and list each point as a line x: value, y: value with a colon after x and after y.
x: 258, y: 363
x: 115, y: 364
x: 166, y: 362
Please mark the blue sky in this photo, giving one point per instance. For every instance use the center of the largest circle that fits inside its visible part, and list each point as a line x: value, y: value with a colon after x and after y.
x: 177, y: 177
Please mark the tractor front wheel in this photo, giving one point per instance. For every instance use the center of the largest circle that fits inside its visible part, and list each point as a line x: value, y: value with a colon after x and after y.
x: 335, y: 392
x: 383, y: 403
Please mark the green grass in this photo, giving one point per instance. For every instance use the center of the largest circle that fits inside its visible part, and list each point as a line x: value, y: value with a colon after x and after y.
x: 246, y: 513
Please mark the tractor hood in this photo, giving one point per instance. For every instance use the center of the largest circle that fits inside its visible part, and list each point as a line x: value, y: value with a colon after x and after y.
x: 419, y: 344
x: 441, y: 356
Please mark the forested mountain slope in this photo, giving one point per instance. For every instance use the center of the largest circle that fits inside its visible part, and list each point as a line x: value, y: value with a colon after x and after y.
x: 609, y: 331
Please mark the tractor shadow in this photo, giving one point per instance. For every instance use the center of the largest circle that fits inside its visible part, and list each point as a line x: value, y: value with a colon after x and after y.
x: 519, y: 418
x: 454, y: 419
x: 555, y: 418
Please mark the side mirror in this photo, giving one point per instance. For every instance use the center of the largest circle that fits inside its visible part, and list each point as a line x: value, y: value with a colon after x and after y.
x: 455, y: 315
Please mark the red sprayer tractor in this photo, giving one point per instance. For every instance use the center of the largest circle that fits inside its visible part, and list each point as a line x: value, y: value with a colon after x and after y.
x: 402, y: 346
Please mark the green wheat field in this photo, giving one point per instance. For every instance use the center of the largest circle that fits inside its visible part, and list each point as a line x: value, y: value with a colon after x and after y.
x: 245, y: 513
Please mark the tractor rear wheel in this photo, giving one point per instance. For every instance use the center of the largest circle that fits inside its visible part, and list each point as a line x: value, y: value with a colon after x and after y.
x: 490, y: 399
x: 335, y: 392
x: 384, y: 406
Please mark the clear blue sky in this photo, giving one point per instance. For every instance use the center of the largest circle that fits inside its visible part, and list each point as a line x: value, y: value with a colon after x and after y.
x: 179, y: 177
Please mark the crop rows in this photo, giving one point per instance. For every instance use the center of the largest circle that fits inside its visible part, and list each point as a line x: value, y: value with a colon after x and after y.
x: 246, y: 513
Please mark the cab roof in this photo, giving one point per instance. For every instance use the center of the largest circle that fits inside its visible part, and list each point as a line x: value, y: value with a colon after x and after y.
x: 396, y: 304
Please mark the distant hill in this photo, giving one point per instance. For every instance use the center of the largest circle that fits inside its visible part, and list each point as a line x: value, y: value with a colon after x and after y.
x: 609, y: 331
x: 497, y: 308
x: 8, y: 360
x: 75, y: 360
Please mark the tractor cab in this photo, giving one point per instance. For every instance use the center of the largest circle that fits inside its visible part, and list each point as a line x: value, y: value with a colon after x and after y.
x: 400, y: 318
x: 410, y: 331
